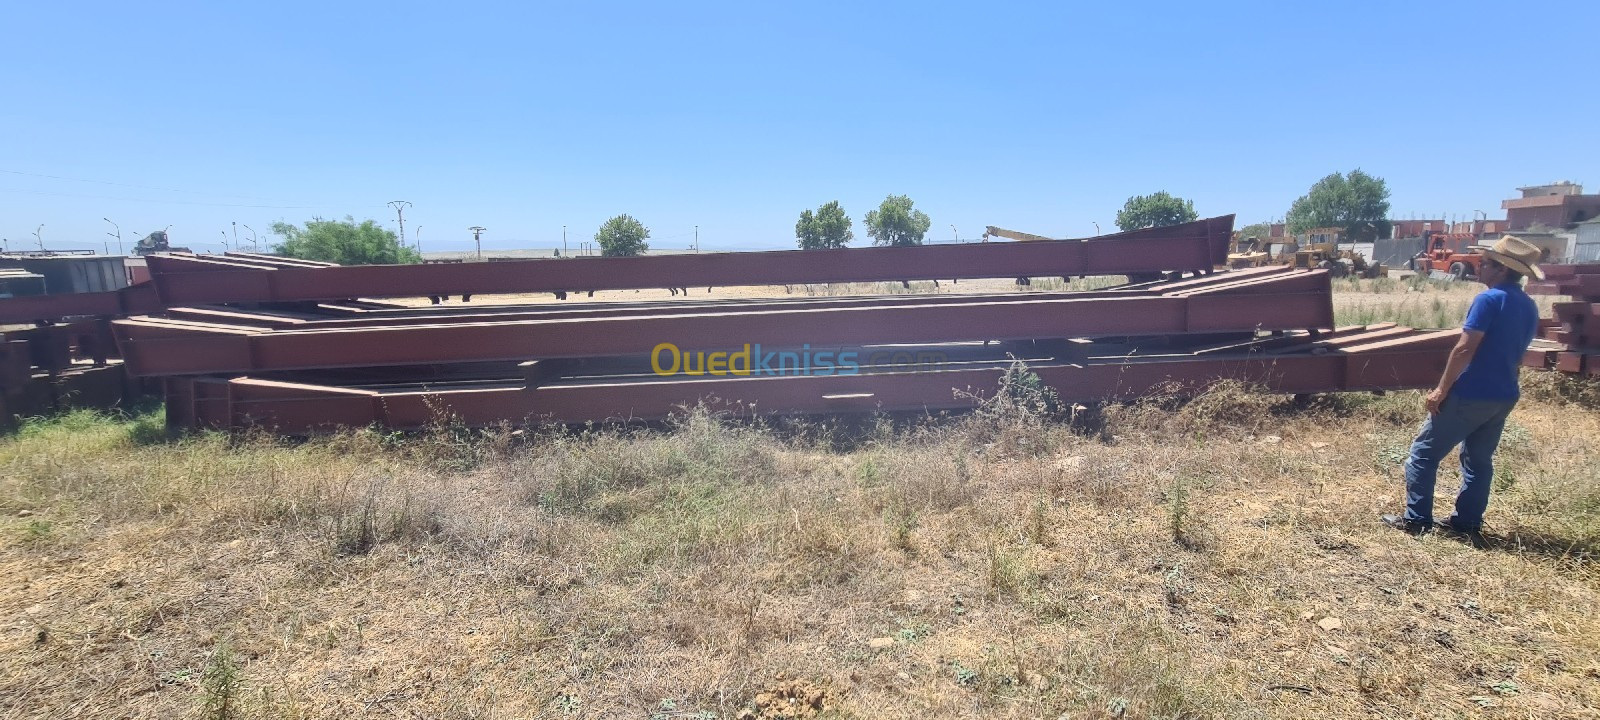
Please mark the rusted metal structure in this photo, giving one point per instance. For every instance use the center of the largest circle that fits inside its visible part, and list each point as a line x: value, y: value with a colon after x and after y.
x: 1366, y: 358
x: 1271, y: 300
x: 252, y: 340
x: 56, y: 348
x: 241, y: 278
x: 1571, y: 339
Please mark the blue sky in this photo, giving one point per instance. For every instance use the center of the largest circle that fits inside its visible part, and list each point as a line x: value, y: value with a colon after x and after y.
x: 524, y: 117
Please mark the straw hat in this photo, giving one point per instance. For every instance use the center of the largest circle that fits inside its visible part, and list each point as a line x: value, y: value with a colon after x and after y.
x: 1517, y: 254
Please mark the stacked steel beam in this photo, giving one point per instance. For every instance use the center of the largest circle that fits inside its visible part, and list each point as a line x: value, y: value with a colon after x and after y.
x: 1572, y: 336
x: 249, y: 340
x: 57, y: 352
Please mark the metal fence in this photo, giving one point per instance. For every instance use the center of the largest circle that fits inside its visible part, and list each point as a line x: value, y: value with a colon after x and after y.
x: 1396, y: 252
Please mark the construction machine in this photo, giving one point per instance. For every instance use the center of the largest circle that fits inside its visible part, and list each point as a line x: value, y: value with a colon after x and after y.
x: 1338, y: 263
x: 1451, y: 253
x: 156, y: 242
x: 999, y: 232
x: 1248, y: 253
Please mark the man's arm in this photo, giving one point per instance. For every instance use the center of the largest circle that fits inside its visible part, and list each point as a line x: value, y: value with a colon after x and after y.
x: 1460, y: 355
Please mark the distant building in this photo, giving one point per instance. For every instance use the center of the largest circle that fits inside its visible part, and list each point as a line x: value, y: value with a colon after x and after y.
x: 1491, y: 229
x: 1565, y: 187
x: 1586, y: 246
x: 1554, y: 207
x: 1416, y: 228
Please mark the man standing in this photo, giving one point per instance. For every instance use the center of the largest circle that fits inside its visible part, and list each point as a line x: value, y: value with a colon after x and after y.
x: 1476, y: 393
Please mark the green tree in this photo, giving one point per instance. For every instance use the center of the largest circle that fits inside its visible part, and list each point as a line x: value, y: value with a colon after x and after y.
x: 343, y: 242
x: 826, y: 229
x: 1156, y: 210
x: 897, y: 222
x: 1357, y: 202
x: 622, y: 236
x: 1256, y: 230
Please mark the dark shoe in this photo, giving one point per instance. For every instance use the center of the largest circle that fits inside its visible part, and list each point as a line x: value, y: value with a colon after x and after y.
x: 1409, y: 527
x: 1473, y: 536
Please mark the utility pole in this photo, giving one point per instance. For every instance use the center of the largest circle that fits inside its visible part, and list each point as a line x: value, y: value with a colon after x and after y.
x: 697, y: 238
x: 564, y: 250
x: 400, y: 212
x: 118, y: 235
x: 477, y: 232
x: 39, y: 237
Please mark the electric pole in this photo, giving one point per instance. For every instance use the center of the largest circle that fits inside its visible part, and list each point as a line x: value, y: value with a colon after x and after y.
x: 477, y: 232
x: 400, y: 213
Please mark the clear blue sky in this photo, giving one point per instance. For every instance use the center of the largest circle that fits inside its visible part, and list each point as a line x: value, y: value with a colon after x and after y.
x: 524, y: 117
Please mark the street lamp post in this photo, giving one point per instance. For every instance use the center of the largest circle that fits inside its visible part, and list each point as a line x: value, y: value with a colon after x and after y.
x: 225, y: 247
x: 118, y: 235
x: 1096, y: 227
x: 39, y: 237
x: 419, y: 240
x: 954, y: 235
x: 253, y: 244
x: 564, y: 250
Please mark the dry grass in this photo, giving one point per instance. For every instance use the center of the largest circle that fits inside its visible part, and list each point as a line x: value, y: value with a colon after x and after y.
x: 1414, y: 301
x: 1174, y: 563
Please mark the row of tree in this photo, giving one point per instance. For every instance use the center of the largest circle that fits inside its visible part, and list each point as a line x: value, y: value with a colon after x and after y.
x: 896, y: 222
x: 1356, y: 202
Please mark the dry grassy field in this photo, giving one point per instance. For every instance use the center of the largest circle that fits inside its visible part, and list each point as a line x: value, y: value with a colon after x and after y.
x: 1219, y: 558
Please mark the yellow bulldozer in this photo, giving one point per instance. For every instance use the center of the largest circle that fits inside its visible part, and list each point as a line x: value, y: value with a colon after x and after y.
x: 1323, y: 252
x: 1249, y: 252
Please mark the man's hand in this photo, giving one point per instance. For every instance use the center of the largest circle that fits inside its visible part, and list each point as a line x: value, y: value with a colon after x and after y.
x: 1434, y: 400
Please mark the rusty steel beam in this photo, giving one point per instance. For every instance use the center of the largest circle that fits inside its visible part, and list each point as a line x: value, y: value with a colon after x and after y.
x: 1197, y: 246
x: 174, y: 347
x: 1236, y: 282
x: 1376, y: 360
x: 131, y: 300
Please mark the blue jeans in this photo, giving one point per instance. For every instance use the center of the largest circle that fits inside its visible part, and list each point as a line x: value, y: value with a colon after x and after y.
x: 1475, y: 425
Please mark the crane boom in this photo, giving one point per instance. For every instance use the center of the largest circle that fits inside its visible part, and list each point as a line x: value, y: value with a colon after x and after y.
x: 992, y: 231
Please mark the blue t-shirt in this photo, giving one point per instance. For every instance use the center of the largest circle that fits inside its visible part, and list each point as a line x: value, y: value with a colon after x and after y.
x: 1508, y: 319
